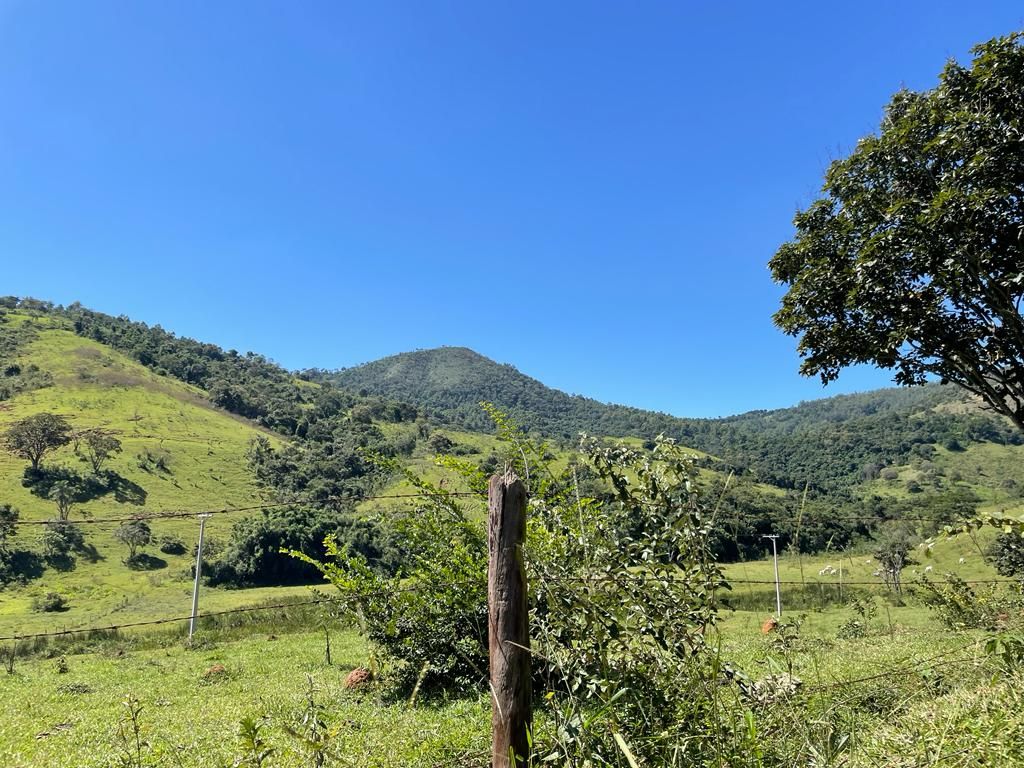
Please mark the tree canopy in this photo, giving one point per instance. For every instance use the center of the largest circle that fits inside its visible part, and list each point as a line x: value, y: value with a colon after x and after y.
x: 32, y: 437
x: 913, y: 258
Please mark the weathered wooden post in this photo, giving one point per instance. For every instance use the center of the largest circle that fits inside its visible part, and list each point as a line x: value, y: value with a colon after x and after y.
x: 508, y: 622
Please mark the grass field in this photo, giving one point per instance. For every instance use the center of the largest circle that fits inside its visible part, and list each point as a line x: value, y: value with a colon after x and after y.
x: 67, y: 713
x: 190, y: 716
x: 182, y: 454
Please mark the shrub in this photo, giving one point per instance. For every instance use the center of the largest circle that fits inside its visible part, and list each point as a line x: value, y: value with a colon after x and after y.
x: 429, y: 626
x: 135, y: 535
x: 959, y: 605
x: 623, y: 593
x: 255, y: 553
x: 60, y: 539
x: 172, y: 545
x: 49, y: 602
x: 1007, y: 554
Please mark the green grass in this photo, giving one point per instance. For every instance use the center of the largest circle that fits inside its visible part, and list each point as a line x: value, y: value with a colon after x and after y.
x: 858, y: 566
x: 191, y: 719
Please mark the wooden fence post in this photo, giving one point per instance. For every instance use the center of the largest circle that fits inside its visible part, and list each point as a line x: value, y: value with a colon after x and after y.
x: 508, y: 622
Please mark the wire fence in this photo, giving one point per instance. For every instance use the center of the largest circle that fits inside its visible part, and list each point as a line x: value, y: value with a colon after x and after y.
x: 906, y: 666
x: 182, y: 514
x: 226, y: 612
x: 423, y: 587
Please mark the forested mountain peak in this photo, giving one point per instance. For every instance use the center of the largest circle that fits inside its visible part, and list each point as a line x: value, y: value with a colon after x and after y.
x: 828, y: 442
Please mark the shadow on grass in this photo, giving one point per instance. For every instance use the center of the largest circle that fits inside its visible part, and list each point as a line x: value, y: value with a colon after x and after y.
x: 61, y: 562
x: 26, y: 565
x: 90, y: 553
x: 145, y: 562
x: 79, y: 489
x: 124, y: 490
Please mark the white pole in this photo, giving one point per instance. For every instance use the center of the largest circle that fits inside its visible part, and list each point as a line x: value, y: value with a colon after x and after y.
x: 775, y: 558
x: 199, y: 567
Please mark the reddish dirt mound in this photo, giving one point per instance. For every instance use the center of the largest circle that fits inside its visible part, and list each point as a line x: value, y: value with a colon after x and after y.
x: 358, y: 678
x: 217, y: 670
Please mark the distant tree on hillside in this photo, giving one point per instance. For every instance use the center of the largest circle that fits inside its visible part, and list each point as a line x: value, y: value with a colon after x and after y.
x: 64, y: 493
x: 8, y: 523
x: 892, y: 551
x: 33, y: 437
x: 135, y: 535
x: 913, y: 258
x: 59, y: 539
x: 98, y: 446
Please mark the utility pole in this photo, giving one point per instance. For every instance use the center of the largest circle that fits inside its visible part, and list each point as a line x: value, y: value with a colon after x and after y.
x: 775, y: 557
x: 199, y: 568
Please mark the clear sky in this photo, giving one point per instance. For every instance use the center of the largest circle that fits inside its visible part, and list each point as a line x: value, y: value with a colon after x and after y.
x: 589, y: 191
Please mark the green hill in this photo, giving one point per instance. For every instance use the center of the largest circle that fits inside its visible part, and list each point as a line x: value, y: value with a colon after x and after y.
x: 179, y: 453
x: 831, y: 443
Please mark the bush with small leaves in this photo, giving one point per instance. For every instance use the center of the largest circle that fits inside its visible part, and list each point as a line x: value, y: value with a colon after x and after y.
x: 172, y: 545
x: 49, y: 602
x: 60, y: 539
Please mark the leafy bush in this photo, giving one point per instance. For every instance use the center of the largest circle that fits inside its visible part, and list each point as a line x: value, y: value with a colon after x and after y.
x: 8, y: 527
x: 256, y: 553
x: 172, y: 545
x: 428, y: 625
x: 49, y: 602
x: 959, y: 605
x: 857, y: 627
x: 626, y: 597
x: 1007, y: 554
x: 60, y: 539
x: 135, y: 535
x: 623, y: 590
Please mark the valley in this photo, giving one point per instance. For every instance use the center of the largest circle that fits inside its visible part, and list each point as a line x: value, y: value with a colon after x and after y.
x: 282, y: 460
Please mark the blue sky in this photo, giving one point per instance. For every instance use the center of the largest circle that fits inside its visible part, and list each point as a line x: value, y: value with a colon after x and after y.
x: 589, y: 191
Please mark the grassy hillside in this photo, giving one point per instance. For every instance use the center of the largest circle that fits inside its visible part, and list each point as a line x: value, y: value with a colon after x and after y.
x: 179, y: 453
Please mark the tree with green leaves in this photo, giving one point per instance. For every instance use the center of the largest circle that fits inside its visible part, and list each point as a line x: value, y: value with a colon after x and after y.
x: 8, y: 523
x: 33, y: 437
x: 136, y: 535
x: 1006, y: 553
x: 913, y: 258
x: 98, y: 445
x: 892, y: 551
x: 59, y: 539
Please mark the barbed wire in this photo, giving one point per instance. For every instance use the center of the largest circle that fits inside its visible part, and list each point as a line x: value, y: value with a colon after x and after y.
x: 725, y: 580
x: 901, y: 668
x: 248, y: 609
x: 179, y: 514
x: 913, y: 667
